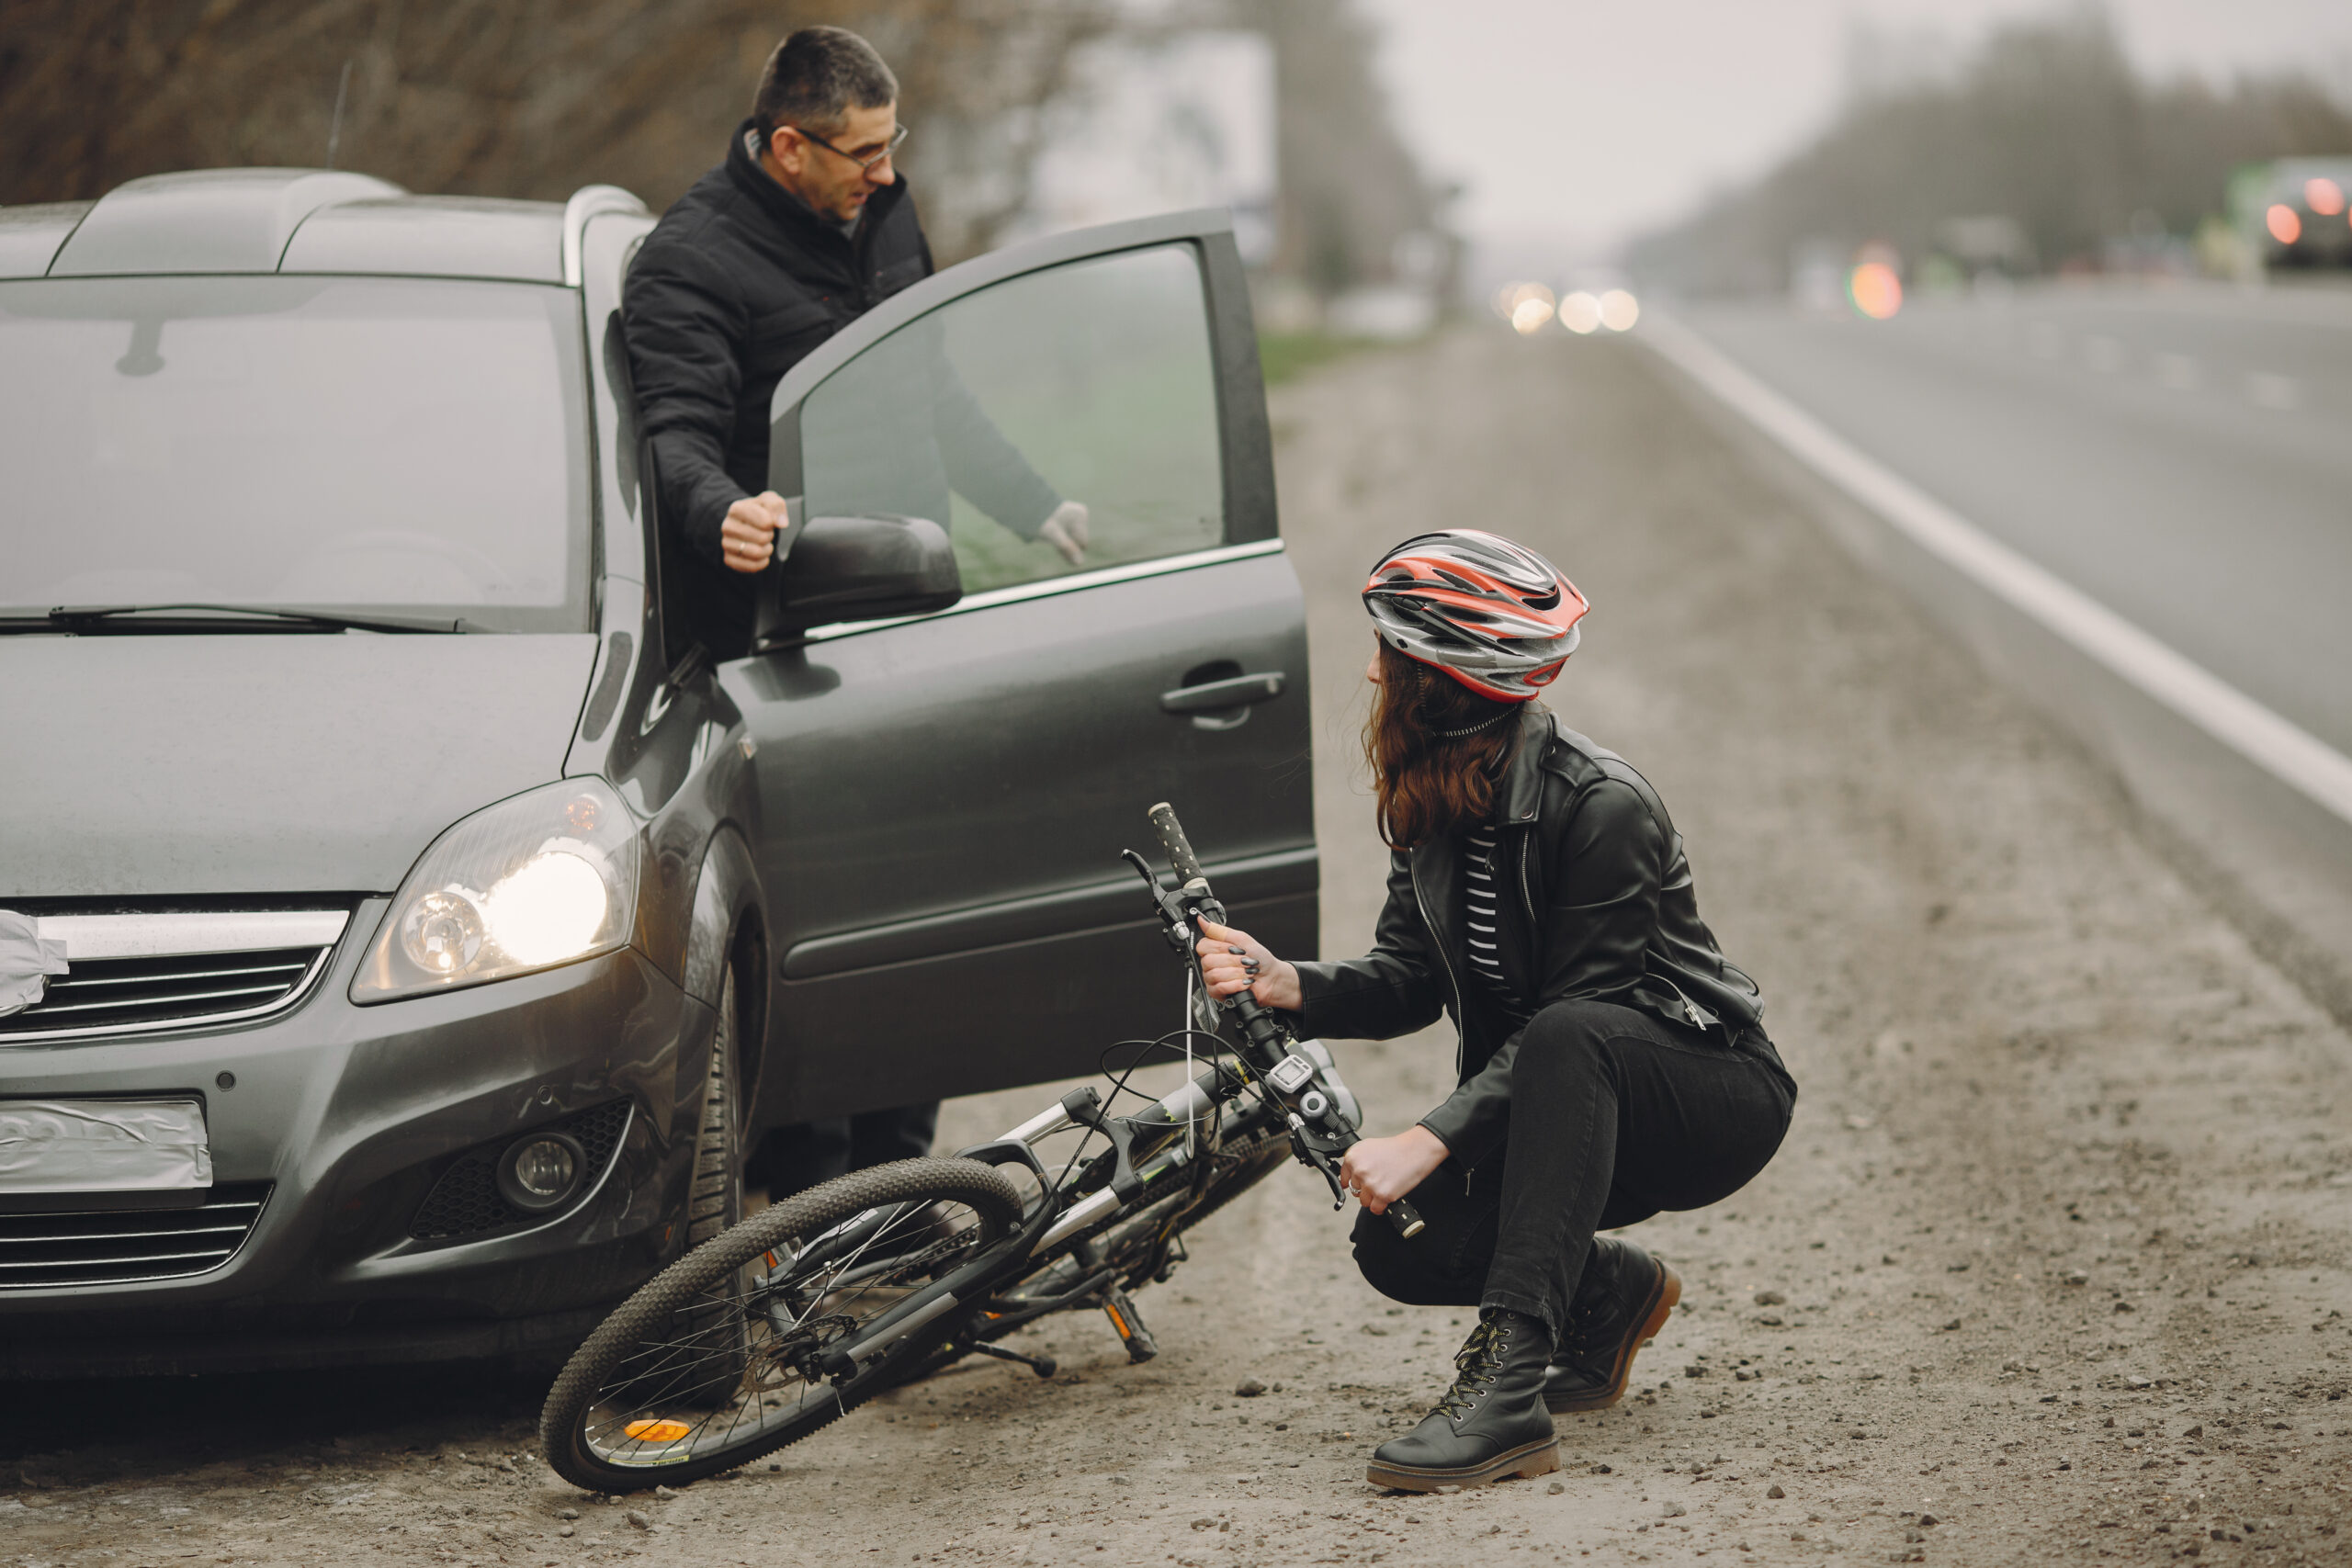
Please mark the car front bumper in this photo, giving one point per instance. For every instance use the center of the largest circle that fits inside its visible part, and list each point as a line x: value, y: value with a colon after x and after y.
x: 353, y: 1115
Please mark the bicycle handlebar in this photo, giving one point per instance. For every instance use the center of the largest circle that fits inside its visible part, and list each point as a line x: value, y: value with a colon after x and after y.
x: 1262, y: 1028
x: 1179, y: 847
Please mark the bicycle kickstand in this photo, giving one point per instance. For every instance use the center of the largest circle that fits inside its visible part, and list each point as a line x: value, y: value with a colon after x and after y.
x: 1121, y: 1309
x: 1044, y: 1366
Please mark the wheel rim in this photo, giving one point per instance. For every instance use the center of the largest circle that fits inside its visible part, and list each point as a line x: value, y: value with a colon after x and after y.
x: 737, y: 1362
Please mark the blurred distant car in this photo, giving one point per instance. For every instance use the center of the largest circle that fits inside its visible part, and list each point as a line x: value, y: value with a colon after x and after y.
x: 441, y: 922
x: 2296, y: 212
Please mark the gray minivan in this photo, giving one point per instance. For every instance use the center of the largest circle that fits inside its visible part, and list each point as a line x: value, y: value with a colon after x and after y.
x: 438, y: 922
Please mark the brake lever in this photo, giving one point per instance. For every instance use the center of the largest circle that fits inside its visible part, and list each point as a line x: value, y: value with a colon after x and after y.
x: 1173, y: 921
x: 1400, y: 1214
x: 1322, y: 1163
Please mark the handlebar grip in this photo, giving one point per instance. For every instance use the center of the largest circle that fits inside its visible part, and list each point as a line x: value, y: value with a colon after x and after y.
x: 1171, y: 839
x: 1406, y: 1218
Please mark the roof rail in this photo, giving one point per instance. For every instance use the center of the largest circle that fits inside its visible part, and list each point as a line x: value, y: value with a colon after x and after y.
x: 236, y: 220
x: 587, y: 202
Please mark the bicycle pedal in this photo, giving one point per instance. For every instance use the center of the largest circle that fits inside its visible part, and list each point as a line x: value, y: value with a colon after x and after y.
x: 1120, y: 1309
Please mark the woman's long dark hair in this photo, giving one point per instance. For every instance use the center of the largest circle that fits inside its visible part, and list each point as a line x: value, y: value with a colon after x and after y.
x: 1426, y: 783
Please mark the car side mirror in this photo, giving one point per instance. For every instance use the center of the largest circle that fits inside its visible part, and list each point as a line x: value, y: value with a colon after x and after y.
x: 859, y: 569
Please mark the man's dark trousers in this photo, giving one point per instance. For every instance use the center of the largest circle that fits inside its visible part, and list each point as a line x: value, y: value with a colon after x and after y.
x: 795, y: 1158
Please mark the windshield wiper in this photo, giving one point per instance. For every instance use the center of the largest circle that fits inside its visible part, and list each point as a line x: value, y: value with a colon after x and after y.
x: 84, y: 617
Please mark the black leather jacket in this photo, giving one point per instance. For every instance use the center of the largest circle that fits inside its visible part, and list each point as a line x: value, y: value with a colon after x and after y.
x: 1606, y: 911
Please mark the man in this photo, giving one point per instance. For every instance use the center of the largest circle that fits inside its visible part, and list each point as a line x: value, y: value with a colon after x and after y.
x: 805, y: 227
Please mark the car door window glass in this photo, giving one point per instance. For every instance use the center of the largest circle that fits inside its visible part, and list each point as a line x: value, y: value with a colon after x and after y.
x: 1090, y: 383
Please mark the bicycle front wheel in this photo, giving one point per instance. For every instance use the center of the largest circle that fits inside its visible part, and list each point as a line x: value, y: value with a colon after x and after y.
x: 714, y: 1361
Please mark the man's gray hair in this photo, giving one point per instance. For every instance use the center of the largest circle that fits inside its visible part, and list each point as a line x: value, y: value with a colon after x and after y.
x: 814, y: 79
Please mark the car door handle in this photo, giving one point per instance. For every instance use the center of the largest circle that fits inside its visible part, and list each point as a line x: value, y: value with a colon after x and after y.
x: 1223, y: 705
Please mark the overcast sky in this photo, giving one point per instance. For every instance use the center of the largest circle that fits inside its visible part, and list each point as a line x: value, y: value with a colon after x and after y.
x: 1576, y: 125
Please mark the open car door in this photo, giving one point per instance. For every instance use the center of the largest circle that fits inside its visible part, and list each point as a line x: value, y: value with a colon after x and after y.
x: 944, y: 798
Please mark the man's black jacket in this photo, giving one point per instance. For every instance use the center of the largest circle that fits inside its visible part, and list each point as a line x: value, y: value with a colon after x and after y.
x: 1604, y: 910
x: 736, y: 284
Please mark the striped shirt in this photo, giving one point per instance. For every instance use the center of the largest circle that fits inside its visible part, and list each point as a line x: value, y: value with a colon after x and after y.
x: 1481, y: 897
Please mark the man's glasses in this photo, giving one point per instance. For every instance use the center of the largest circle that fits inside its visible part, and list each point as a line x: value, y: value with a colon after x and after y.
x: 864, y: 162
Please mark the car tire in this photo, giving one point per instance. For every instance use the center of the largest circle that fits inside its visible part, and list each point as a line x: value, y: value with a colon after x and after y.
x: 715, y: 1201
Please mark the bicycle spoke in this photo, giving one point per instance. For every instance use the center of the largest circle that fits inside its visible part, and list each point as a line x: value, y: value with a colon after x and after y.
x: 734, y: 1360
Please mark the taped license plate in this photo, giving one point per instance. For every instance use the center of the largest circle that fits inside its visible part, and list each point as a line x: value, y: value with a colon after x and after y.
x: 113, y: 1152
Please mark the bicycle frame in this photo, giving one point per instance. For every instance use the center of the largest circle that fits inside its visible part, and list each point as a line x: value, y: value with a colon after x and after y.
x: 1145, y: 1151
x: 1138, y: 1181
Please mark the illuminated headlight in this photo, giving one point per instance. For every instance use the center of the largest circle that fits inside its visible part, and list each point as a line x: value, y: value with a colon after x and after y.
x: 542, y: 879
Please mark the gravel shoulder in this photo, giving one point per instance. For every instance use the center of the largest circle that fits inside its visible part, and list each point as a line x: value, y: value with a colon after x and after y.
x: 2053, y: 1264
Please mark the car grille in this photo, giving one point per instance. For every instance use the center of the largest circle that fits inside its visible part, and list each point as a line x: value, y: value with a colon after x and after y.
x: 115, y: 1246
x: 131, y: 973
x: 466, y: 1200
x: 112, y: 993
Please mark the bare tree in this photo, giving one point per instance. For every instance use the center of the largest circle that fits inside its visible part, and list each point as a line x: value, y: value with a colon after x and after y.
x: 2047, y: 125
x: 1350, y: 188
x: 506, y: 98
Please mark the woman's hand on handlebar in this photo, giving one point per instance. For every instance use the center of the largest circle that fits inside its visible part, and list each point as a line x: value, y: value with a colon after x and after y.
x: 1228, y: 971
x: 1380, y: 1171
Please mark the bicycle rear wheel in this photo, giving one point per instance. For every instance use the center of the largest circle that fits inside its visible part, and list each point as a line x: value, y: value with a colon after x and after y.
x: 712, y: 1362
x: 1248, y: 1160
x: 1133, y: 1248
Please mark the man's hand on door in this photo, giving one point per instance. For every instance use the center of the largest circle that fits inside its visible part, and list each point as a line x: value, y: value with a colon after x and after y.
x: 747, y: 538
x: 1065, y: 528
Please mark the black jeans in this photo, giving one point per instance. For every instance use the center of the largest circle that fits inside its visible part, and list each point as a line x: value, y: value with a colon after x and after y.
x: 794, y: 1158
x: 1615, y: 1114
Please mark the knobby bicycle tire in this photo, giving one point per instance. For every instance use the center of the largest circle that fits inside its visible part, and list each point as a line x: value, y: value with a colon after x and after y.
x: 564, y: 1420
x: 1253, y: 1159
x: 1256, y: 1160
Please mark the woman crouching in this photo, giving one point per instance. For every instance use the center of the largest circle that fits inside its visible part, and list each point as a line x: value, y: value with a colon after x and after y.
x: 1612, y: 1064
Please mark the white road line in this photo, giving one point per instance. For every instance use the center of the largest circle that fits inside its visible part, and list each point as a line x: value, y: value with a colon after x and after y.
x: 2270, y: 742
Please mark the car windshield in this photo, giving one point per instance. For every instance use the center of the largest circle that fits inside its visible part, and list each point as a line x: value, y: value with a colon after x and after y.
x: 397, y: 445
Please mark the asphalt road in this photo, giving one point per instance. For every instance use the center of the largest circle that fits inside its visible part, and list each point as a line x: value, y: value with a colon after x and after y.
x: 2178, y: 454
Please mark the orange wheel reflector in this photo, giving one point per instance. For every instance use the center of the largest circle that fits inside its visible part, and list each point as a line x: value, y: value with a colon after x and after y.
x: 657, y: 1432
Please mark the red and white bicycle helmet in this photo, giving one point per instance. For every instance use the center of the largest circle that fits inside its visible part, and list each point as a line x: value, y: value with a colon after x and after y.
x: 1493, y: 614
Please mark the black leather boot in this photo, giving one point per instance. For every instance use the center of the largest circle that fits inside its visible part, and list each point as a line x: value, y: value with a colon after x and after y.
x: 1625, y: 1297
x: 1490, y: 1424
